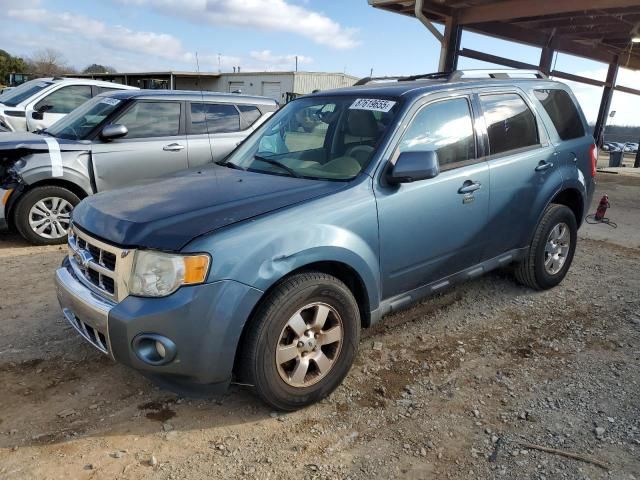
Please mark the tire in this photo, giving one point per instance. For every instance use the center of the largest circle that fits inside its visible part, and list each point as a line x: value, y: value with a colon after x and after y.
x: 32, y: 207
x: 538, y: 270
x: 305, y: 296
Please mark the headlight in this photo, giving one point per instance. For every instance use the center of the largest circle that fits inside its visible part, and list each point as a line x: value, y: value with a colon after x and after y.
x: 157, y: 274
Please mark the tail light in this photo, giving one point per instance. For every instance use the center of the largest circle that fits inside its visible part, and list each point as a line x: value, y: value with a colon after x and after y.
x: 594, y: 159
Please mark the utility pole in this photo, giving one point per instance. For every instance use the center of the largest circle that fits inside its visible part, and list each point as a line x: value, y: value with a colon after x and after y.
x: 371, y: 73
x: 296, y: 63
x: 219, y: 64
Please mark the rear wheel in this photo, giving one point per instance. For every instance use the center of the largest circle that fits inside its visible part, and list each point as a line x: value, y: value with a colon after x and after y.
x: 302, y: 341
x: 551, y: 251
x: 43, y: 215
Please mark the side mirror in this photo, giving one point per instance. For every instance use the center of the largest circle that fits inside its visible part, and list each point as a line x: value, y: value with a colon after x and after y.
x: 414, y: 166
x: 38, y: 114
x: 113, y: 131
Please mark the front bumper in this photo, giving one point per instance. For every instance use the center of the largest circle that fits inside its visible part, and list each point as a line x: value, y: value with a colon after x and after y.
x: 3, y: 220
x: 204, y: 322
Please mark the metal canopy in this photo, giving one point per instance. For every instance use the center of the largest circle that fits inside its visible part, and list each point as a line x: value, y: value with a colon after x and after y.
x: 600, y: 30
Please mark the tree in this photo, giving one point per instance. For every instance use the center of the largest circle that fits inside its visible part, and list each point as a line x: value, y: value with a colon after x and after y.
x: 97, y: 68
x: 49, y: 62
x: 10, y: 64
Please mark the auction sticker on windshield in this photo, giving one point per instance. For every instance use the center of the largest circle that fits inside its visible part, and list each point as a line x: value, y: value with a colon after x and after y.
x: 110, y: 101
x: 373, y: 104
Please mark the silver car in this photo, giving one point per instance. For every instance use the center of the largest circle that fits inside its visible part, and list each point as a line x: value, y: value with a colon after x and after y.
x: 111, y: 141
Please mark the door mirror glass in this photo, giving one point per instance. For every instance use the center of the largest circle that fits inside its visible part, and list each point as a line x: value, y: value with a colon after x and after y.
x: 113, y: 131
x: 414, y: 166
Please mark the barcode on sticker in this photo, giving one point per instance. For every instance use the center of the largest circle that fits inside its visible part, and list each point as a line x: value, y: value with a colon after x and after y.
x: 110, y: 101
x: 374, y: 104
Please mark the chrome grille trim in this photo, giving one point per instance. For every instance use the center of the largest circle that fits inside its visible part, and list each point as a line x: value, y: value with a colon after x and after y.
x: 105, y: 276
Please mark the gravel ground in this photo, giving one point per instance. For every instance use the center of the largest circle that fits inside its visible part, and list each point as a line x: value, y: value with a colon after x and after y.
x: 456, y: 387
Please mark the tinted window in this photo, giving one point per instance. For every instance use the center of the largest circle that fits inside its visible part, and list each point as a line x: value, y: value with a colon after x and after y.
x: 214, y: 118
x: 563, y: 113
x: 511, y: 124
x: 66, y: 99
x: 152, y: 119
x: 250, y: 113
x: 444, y: 127
x: 19, y: 94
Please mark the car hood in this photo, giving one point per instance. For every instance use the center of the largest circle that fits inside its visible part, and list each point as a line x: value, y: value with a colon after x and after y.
x: 167, y: 213
x: 32, y: 142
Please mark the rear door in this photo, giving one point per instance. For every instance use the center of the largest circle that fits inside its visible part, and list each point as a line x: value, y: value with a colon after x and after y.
x: 522, y: 165
x: 155, y: 145
x: 213, y: 131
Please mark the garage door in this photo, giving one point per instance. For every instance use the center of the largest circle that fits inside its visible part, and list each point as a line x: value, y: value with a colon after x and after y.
x: 235, y: 86
x: 272, y: 90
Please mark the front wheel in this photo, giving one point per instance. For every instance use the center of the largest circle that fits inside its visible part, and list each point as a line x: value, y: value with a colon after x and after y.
x: 302, y: 341
x: 43, y: 215
x: 551, y: 251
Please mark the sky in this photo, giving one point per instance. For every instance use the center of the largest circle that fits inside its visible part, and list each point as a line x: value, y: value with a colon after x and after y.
x: 326, y: 35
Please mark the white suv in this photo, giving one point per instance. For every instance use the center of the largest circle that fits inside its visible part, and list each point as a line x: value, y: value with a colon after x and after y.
x: 40, y: 103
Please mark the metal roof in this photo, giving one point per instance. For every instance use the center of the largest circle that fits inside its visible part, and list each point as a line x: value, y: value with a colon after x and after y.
x: 600, y: 30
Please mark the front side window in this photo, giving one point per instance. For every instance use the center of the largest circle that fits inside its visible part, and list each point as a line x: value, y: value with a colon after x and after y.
x: 511, y: 124
x: 214, y: 118
x: 330, y: 138
x: 563, y: 112
x: 65, y: 99
x: 84, y: 119
x: 151, y: 119
x: 443, y: 127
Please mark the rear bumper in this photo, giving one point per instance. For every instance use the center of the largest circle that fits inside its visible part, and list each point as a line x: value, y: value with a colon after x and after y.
x: 204, y: 322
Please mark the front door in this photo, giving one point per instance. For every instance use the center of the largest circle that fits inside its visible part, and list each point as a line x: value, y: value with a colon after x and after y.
x: 155, y: 145
x: 433, y: 228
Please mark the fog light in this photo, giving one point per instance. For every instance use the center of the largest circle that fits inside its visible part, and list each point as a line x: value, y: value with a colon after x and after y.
x: 154, y: 349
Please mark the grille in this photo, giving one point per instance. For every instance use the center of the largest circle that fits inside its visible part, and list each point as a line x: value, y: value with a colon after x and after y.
x: 96, y: 263
x: 92, y: 335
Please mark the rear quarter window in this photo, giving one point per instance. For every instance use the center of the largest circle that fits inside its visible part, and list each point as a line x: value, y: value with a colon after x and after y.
x: 563, y: 113
x: 250, y: 113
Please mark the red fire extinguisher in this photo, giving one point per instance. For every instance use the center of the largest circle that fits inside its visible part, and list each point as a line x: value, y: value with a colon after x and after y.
x: 602, y: 208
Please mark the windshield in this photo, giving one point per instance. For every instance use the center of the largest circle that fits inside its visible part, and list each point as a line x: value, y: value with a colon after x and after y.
x: 81, y: 122
x: 16, y: 95
x: 331, y: 138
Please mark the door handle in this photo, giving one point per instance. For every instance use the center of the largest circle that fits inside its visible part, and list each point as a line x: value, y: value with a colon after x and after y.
x: 469, y: 187
x: 173, y: 147
x: 543, y: 165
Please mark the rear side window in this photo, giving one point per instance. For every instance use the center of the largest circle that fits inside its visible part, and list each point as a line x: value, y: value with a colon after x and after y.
x: 250, y: 113
x: 152, y: 119
x: 511, y: 124
x: 214, y: 118
x: 65, y: 99
x: 563, y: 112
x: 446, y: 128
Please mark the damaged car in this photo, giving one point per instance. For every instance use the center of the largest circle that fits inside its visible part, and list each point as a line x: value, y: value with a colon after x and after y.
x: 112, y: 141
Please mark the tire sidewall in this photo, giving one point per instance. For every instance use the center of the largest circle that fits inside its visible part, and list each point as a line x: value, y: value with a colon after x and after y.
x: 28, y: 200
x: 552, y: 219
x: 268, y: 382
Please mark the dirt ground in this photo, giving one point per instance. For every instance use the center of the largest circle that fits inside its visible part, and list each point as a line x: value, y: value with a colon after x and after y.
x: 452, y: 388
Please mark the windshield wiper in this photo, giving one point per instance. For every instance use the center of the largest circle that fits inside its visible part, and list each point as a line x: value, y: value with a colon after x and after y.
x: 230, y: 165
x: 276, y: 163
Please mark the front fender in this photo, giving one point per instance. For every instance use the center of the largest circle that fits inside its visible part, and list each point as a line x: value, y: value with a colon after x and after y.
x: 37, y: 168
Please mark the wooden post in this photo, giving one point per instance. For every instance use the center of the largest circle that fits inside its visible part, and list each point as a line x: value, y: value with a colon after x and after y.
x: 450, y: 45
x: 546, y: 60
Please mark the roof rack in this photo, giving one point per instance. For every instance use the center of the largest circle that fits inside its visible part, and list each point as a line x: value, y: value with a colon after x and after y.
x: 459, y: 75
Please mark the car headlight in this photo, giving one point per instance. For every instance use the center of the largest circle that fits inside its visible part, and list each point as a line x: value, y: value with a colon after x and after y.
x: 157, y: 274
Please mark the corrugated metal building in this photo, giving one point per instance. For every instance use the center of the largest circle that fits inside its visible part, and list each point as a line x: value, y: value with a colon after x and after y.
x: 281, y: 86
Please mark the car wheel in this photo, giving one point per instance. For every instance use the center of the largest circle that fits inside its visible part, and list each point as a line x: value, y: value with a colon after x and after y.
x: 43, y: 214
x: 302, y: 341
x: 551, y: 251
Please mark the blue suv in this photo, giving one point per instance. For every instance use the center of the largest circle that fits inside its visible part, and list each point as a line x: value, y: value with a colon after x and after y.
x: 343, y: 207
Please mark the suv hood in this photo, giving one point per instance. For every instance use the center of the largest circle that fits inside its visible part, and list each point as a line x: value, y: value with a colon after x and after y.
x: 31, y: 142
x: 168, y: 213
